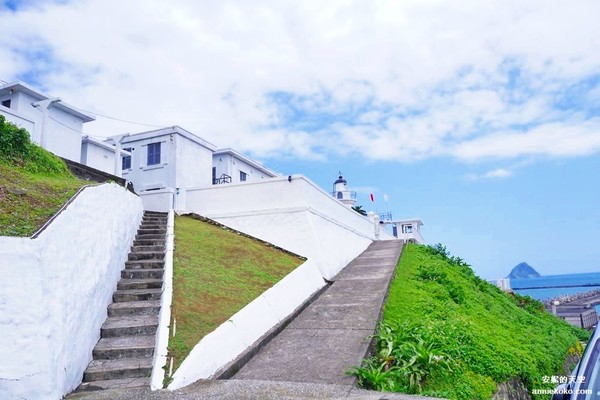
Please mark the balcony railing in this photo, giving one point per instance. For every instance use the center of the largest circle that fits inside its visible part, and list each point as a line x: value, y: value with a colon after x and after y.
x: 222, y: 179
x: 387, y: 216
x: 352, y: 194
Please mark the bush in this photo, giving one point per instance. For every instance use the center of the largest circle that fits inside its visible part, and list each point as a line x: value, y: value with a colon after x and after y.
x: 16, y: 148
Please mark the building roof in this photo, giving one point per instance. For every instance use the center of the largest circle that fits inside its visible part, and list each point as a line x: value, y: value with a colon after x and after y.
x: 416, y: 221
x: 20, y: 86
x: 240, y: 156
x: 168, y: 131
x: 86, y: 139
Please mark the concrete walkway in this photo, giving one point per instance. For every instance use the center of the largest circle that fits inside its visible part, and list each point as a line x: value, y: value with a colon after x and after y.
x: 331, y: 334
x: 247, y: 390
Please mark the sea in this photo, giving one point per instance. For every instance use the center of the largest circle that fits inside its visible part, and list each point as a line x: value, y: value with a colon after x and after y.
x: 572, y: 280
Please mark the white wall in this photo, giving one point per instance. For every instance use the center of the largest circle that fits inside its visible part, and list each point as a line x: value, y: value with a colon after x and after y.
x: 63, y: 130
x: 244, y: 328
x: 298, y: 216
x: 98, y: 157
x: 55, y: 290
x: 146, y: 176
x: 231, y: 165
x: 17, y: 119
x: 193, y: 167
x: 158, y: 200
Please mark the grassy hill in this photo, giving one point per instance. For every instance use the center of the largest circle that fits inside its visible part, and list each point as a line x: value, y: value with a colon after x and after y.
x: 447, y: 333
x: 34, y: 183
x: 216, y: 273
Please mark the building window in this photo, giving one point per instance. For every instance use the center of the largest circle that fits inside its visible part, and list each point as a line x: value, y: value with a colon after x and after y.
x: 6, y: 103
x: 340, y: 195
x: 126, y: 160
x: 153, y: 153
x: 243, y: 176
x: 406, y: 228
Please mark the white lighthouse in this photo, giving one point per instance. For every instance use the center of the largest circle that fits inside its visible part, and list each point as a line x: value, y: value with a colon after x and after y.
x: 341, y: 192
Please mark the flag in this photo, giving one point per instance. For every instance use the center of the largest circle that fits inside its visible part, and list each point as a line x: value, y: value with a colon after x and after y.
x: 372, y: 198
x: 385, y: 198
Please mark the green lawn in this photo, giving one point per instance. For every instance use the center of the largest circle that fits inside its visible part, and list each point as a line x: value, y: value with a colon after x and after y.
x: 28, y: 199
x: 457, y: 336
x: 216, y: 273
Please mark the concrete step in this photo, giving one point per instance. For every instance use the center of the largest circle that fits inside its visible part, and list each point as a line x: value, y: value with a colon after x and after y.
x: 146, y: 227
x: 160, y: 248
x: 149, y: 273
x: 156, y: 213
x: 152, y: 231
x: 144, y: 264
x: 136, y: 295
x: 100, y: 370
x: 151, y: 236
x: 149, y: 242
x: 146, y: 255
x: 127, y: 284
x: 153, y: 220
x: 128, y: 326
x: 147, y: 307
x: 124, y: 347
x: 113, y: 384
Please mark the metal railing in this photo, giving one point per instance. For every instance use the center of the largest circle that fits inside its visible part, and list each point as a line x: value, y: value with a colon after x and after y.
x: 222, y: 179
x: 352, y: 194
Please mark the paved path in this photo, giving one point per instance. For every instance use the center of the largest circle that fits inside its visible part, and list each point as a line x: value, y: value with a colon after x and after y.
x: 247, y: 390
x: 331, y: 334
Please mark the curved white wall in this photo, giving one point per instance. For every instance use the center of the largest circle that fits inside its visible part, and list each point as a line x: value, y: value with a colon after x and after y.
x: 55, y: 290
x: 297, y: 216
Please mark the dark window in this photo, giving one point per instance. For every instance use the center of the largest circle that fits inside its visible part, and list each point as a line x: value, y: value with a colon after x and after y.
x: 126, y: 160
x: 340, y: 195
x: 6, y: 103
x: 153, y: 153
x: 243, y: 176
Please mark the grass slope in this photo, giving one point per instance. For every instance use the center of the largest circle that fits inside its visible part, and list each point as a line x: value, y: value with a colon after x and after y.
x: 447, y: 333
x: 216, y: 273
x: 28, y: 200
x: 34, y: 183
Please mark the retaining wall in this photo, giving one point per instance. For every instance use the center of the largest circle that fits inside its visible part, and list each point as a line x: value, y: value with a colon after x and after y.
x: 55, y: 289
x: 296, y: 215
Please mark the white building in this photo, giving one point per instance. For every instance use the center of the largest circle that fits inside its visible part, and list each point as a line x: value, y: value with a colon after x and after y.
x: 101, y: 155
x: 230, y: 166
x: 51, y: 123
x: 407, y: 229
x: 342, y: 192
x: 164, y: 163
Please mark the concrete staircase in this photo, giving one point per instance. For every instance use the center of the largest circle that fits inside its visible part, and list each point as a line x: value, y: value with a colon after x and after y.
x: 123, y: 356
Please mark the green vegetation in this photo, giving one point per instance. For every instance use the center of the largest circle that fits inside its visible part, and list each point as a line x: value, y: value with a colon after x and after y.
x: 360, y: 210
x: 34, y: 183
x: 216, y: 273
x: 447, y: 333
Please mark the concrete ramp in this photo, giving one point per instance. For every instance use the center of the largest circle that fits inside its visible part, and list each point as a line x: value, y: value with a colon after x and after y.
x: 331, y: 334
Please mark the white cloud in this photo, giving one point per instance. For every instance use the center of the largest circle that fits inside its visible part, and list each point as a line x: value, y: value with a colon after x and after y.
x: 381, y: 80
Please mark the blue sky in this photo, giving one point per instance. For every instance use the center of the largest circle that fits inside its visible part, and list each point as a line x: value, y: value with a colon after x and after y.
x: 480, y: 118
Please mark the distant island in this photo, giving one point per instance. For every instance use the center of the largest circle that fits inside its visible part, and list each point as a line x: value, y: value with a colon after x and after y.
x: 523, y: 271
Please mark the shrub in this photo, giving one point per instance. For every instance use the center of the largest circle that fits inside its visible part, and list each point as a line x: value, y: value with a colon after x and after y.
x: 16, y: 148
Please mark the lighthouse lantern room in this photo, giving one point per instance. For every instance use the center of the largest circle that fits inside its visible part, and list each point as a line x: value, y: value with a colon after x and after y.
x: 342, y: 193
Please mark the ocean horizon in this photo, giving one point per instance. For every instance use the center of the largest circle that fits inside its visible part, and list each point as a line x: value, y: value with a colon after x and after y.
x: 574, y: 280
